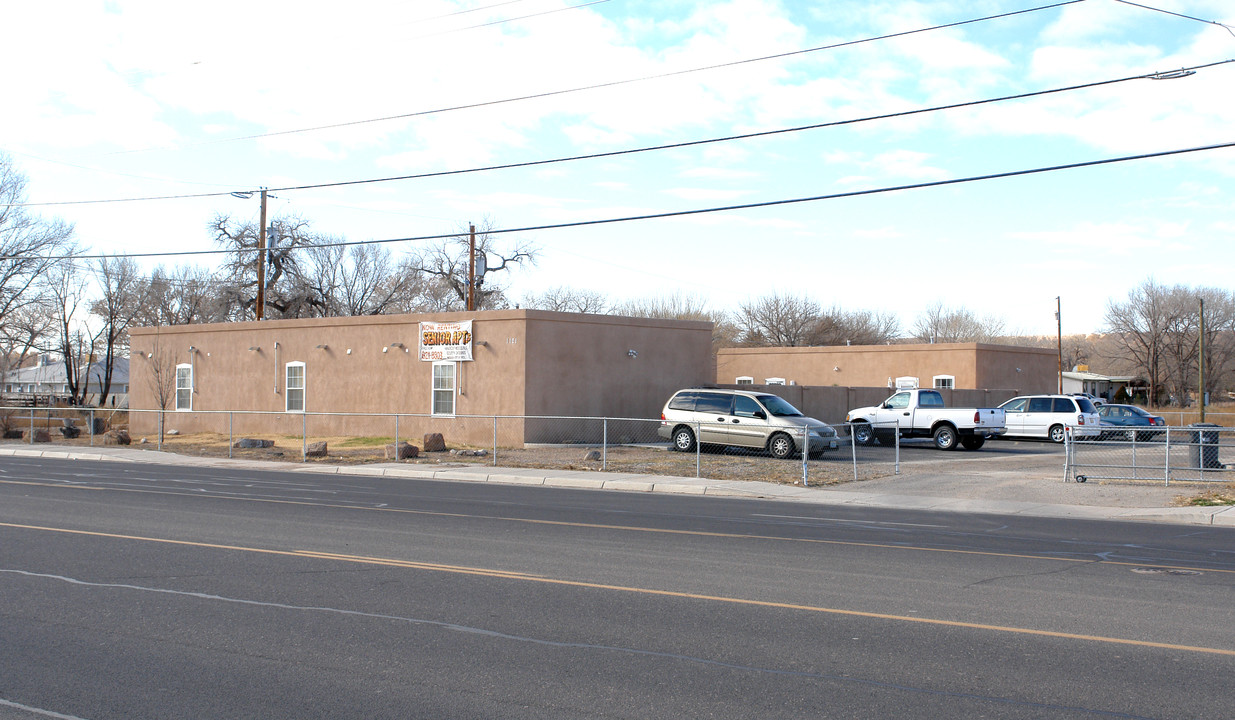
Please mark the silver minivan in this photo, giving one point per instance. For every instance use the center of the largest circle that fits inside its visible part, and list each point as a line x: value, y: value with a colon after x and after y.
x: 741, y: 418
x: 1046, y: 416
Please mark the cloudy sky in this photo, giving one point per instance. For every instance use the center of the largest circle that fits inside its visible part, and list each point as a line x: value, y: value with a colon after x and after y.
x: 147, y: 98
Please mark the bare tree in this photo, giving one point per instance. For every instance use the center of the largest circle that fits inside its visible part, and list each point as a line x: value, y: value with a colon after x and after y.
x: 854, y: 327
x: 162, y: 379
x: 778, y: 321
x: 29, y: 246
x: 119, y: 283
x: 940, y: 324
x: 287, y: 293
x: 25, y: 330
x: 567, y: 299
x: 680, y: 306
x: 74, y: 340
x: 363, y: 280
x: 1219, y: 338
x: 1139, y: 325
x: 448, y: 263
x: 185, y: 295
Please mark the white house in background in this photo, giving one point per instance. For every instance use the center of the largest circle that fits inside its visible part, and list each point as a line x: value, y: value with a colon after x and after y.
x: 1096, y: 384
x: 46, y: 380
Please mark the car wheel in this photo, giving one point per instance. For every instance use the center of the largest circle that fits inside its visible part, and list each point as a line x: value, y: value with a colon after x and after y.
x: 1056, y: 433
x: 945, y: 437
x: 862, y: 434
x: 781, y: 446
x: 683, y: 440
x: 973, y: 442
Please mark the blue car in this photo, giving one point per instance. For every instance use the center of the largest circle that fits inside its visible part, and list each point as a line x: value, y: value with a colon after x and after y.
x: 1122, y: 421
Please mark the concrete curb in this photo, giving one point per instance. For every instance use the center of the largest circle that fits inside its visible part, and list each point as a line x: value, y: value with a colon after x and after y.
x: 625, y: 482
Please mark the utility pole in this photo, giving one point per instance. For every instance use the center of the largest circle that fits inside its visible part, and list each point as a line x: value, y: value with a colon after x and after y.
x: 261, y: 262
x: 1202, y: 360
x: 1059, y: 340
x: 471, y: 267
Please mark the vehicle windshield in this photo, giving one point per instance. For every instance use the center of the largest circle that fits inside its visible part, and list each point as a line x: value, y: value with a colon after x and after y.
x: 778, y: 406
x: 930, y: 398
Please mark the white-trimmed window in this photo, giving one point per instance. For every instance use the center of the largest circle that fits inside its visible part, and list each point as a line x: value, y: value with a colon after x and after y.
x: 774, y: 381
x: 945, y: 382
x: 444, y: 388
x: 746, y: 380
x: 184, y: 387
x: 295, y: 387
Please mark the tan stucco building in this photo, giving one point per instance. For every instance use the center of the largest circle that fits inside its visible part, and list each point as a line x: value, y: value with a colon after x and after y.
x: 948, y: 365
x: 282, y: 373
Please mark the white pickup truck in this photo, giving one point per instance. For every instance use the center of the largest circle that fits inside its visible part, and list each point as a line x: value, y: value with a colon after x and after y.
x: 921, y: 413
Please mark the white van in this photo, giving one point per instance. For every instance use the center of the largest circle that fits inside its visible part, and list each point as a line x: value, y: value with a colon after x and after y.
x: 1046, y: 416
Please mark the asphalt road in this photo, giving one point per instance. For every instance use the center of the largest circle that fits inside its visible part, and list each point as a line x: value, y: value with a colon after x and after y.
x: 133, y: 590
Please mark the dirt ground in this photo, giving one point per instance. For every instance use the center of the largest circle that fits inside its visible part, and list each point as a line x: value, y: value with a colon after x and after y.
x: 640, y: 459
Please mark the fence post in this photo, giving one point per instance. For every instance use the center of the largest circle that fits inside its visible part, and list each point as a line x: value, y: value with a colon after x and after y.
x: 495, y: 441
x: 304, y: 436
x: 805, y: 454
x: 31, y: 424
x: 896, y: 468
x: 398, y: 457
x: 160, y: 431
x: 91, y: 427
x: 1069, y: 466
x: 604, y: 444
x: 697, y: 446
x: 1168, y: 457
x: 231, y: 439
x: 853, y: 451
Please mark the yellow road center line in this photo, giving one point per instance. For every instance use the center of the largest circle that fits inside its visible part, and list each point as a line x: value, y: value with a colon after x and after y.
x: 630, y: 528
x: 642, y: 591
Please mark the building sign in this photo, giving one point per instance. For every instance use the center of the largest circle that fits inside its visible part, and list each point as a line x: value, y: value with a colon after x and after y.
x: 446, y: 340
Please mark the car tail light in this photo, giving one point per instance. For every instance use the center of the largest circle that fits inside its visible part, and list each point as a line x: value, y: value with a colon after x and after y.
x: 977, y: 416
x: 1080, y: 419
x: 662, y: 416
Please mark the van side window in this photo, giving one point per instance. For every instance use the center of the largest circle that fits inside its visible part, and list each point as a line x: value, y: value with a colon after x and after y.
x: 1017, y: 405
x: 714, y: 403
x: 1039, y: 404
x: 744, y: 406
x: 683, y: 401
x: 1064, y: 405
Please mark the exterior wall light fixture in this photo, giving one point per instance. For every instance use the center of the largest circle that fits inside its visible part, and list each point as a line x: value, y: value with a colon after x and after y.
x: 632, y: 353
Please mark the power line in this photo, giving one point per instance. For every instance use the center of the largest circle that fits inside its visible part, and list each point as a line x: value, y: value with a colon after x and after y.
x: 764, y: 133
x: 1228, y: 28
x: 696, y: 211
x: 670, y: 146
x: 615, y: 83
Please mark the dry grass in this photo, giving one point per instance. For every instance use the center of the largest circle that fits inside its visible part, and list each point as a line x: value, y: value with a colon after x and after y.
x: 1212, y: 497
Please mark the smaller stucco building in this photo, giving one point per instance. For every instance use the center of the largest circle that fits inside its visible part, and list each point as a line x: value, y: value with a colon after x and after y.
x: 461, y: 374
x: 977, y: 366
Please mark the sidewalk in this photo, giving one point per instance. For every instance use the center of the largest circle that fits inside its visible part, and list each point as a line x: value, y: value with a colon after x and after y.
x: 1004, y: 491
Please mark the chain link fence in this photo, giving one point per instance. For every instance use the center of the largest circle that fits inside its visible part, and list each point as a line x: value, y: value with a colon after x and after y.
x: 616, y: 445
x: 1201, y: 451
